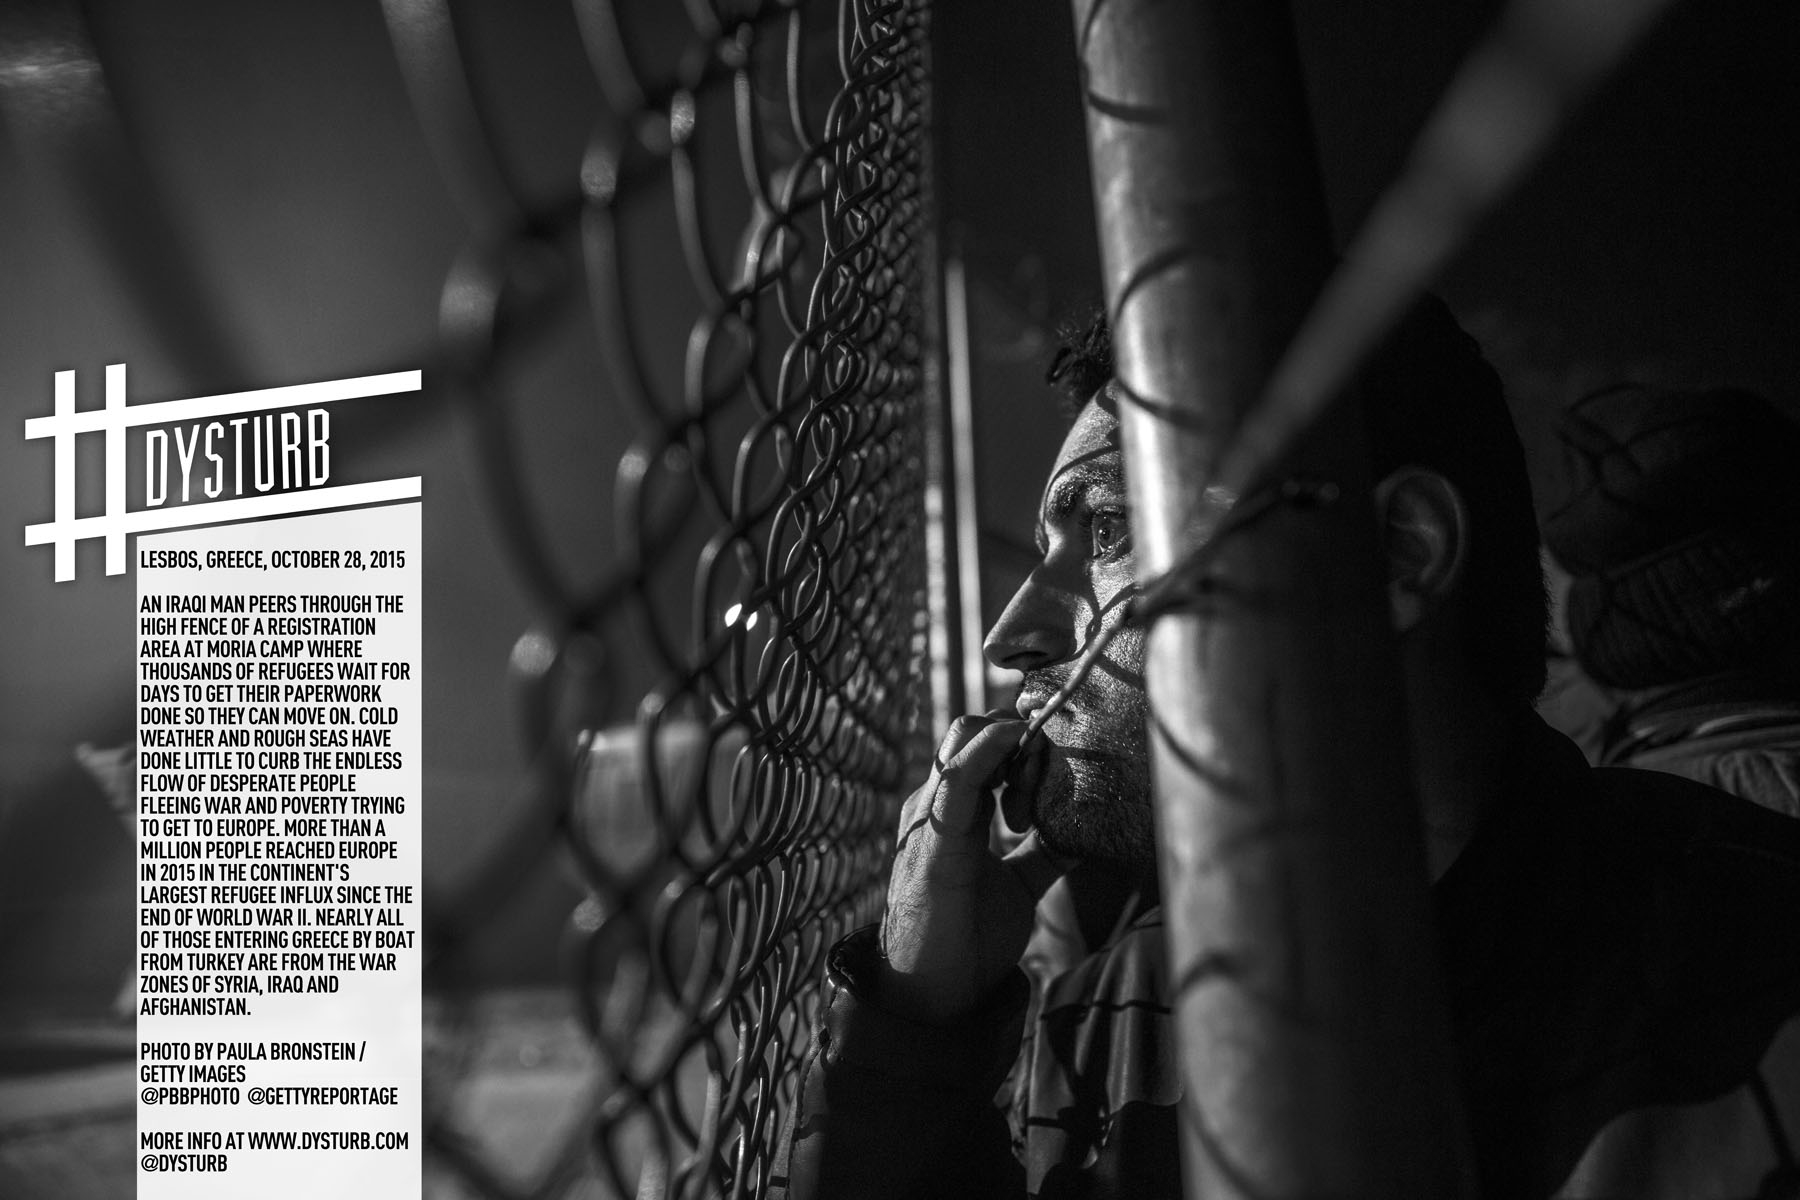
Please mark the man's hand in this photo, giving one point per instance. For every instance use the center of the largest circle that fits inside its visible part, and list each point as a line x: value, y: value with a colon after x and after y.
x: 958, y: 917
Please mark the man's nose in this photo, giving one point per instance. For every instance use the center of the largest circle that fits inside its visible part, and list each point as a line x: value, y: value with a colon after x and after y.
x: 1038, y: 627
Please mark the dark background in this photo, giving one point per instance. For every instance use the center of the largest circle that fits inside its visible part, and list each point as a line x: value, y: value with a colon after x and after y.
x: 1657, y: 242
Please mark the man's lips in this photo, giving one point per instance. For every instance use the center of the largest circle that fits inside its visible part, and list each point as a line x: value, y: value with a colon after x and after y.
x: 1032, y: 699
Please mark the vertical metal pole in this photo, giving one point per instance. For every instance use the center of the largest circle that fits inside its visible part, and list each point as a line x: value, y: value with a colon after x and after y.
x: 944, y: 631
x: 948, y: 648
x: 1315, y: 1052
x: 960, y: 391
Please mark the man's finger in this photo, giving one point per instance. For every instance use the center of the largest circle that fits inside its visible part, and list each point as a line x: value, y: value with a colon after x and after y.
x: 966, y: 776
x: 1024, y: 776
x: 917, y: 806
x: 963, y: 730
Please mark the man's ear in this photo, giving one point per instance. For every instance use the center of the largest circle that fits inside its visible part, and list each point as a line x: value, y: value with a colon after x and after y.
x: 1425, y: 537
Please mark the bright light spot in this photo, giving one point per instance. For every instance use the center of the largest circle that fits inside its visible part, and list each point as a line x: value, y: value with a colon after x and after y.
x: 733, y: 613
x: 589, y: 915
x: 534, y: 653
x: 750, y: 622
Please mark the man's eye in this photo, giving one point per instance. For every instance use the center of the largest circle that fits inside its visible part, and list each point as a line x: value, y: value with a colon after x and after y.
x: 1108, y: 533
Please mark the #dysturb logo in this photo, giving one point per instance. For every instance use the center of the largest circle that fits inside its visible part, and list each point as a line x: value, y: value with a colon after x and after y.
x: 224, y: 448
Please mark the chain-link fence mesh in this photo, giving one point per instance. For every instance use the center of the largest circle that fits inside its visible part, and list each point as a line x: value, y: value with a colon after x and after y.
x: 764, y: 575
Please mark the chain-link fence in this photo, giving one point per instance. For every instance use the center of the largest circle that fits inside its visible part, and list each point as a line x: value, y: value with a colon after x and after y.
x: 764, y: 577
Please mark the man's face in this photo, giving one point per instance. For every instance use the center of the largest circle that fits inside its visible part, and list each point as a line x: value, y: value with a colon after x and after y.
x: 1092, y: 797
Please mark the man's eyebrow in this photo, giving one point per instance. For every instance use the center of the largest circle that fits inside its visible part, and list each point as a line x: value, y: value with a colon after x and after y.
x: 1069, y: 490
x: 1071, y: 486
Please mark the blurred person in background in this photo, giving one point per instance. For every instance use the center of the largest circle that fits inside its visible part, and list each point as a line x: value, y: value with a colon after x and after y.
x: 1679, y: 527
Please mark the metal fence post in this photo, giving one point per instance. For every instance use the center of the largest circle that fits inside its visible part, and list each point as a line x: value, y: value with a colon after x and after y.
x: 1315, y: 1049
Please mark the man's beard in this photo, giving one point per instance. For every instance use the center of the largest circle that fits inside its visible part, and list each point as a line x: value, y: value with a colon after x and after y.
x: 1092, y: 802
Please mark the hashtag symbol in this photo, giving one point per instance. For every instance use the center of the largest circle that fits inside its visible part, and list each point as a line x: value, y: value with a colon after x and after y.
x: 64, y: 528
x: 63, y: 426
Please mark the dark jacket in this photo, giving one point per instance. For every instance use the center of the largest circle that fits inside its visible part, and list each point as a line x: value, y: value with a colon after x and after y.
x: 1621, y: 951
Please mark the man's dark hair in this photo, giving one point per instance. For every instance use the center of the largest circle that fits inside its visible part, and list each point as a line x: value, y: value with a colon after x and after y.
x: 1431, y: 400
